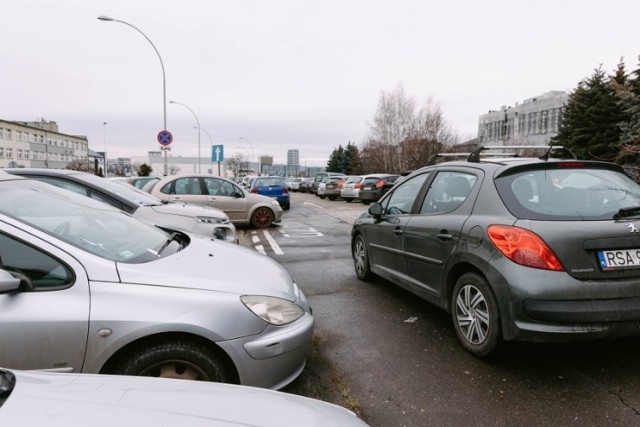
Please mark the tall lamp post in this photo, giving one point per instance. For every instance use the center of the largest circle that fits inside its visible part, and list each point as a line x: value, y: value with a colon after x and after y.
x: 198, y: 123
x: 164, y: 80
x: 104, y: 138
x: 252, y: 152
x: 211, y: 144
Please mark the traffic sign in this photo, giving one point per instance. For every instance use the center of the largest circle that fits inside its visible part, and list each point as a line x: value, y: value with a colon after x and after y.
x: 165, y: 138
x: 217, y: 153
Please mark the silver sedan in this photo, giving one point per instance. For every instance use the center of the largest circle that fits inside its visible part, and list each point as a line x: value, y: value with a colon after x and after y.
x: 87, y: 288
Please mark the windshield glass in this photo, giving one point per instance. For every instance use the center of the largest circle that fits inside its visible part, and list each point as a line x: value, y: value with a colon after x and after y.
x: 568, y: 193
x: 82, y: 222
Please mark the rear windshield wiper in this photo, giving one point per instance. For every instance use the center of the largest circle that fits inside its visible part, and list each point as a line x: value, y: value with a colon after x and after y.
x: 627, y: 212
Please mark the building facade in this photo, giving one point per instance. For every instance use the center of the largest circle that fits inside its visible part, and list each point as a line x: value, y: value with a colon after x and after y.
x: 533, y: 122
x: 293, y: 163
x: 40, y: 145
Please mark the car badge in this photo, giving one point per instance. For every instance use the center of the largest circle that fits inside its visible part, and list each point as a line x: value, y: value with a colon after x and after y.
x: 632, y: 228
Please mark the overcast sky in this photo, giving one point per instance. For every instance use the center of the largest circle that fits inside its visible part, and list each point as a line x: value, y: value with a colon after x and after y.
x: 291, y: 74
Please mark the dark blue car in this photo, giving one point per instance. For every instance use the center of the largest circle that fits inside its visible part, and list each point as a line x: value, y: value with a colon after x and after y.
x: 272, y: 186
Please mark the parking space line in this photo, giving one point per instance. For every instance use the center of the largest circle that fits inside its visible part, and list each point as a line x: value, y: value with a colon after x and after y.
x: 272, y: 243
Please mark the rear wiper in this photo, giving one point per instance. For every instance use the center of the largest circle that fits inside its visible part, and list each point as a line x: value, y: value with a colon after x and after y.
x: 627, y: 212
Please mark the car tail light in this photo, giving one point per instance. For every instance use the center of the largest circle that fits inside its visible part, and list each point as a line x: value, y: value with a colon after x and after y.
x: 357, y: 186
x: 380, y: 183
x: 254, y: 190
x: 285, y: 190
x: 524, y: 247
x: 340, y: 184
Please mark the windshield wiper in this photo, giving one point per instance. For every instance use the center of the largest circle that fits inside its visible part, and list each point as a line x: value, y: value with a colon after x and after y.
x: 627, y: 212
x: 171, y: 238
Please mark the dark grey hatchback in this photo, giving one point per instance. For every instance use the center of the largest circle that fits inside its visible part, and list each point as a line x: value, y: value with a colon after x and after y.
x: 530, y: 249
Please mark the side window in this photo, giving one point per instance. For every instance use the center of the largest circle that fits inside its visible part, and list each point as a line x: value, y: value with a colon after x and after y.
x: 402, y: 199
x: 65, y: 184
x: 106, y: 200
x: 46, y: 272
x: 188, y: 186
x: 448, y: 191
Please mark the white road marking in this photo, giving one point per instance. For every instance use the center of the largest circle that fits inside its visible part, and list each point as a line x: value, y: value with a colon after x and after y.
x: 260, y: 249
x: 272, y: 243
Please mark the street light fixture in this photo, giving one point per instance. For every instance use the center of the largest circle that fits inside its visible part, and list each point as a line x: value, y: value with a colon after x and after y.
x: 252, y: 152
x: 164, y: 81
x: 198, y: 122
x: 211, y: 143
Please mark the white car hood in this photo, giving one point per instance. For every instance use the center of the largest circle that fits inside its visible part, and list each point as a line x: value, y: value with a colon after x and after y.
x: 71, y: 400
x: 214, y: 265
x: 185, y: 209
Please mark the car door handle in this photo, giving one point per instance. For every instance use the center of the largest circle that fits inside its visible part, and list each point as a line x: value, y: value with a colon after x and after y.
x: 443, y: 235
x: 398, y: 231
x: 212, y: 199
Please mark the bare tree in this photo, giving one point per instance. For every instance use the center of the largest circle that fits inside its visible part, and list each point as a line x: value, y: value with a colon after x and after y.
x: 237, y: 164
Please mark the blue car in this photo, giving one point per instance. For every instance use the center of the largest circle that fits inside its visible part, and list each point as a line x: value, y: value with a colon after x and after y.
x: 272, y: 186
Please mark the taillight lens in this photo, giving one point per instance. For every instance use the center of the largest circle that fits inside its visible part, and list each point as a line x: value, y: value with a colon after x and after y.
x: 380, y: 183
x: 524, y: 247
x: 254, y: 190
x: 285, y: 190
x: 357, y: 186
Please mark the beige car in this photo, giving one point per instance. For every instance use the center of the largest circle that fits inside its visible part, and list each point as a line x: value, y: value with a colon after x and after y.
x: 240, y: 206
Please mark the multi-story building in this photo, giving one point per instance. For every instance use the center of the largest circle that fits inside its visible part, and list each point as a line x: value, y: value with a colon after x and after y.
x: 533, y: 122
x: 293, y: 163
x: 40, y: 144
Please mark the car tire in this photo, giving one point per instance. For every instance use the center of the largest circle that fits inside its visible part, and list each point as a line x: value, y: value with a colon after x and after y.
x: 361, y: 259
x: 475, y: 315
x: 262, y: 218
x: 348, y: 200
x: 323, y: 197
x: 178, y: 359
x: 286, y: 207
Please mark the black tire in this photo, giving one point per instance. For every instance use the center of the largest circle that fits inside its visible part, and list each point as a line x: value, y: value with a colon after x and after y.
x: 262, y: 218
x: 286, y: 207
x: 361, y: 259
x: 323, y: 197
x: 475, y: 314
x: 179, y: 359
x: 348, y: 200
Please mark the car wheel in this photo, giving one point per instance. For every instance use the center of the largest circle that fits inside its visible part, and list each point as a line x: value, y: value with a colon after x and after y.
x: 361, y: 259
x: 262, y: 218
x: 323, y: 197
x: 348, y: 200
x: 286, y: 207
x: 175, y: 359
x: 475, y: 315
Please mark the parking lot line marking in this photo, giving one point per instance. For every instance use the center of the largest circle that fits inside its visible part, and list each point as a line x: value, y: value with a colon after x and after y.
x: 255, y: 238
x: 272, y: 243
x: 260, y: 249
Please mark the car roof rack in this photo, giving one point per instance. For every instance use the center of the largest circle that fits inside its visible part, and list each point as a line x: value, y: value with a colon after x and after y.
x: 508, y: 151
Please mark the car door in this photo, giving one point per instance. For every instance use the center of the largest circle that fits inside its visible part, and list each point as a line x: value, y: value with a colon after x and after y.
x: 432, y: 234
x: 385, y: 237
x: 227, y: 197
x: 45, y: 328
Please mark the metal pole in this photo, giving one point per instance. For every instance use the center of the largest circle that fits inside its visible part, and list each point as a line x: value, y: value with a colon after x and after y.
x: 211, y: 144
x: 198, y: 123
x: 104, y: 136
x: 164, y: 80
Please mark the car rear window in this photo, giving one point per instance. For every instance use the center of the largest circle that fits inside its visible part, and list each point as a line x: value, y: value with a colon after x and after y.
x: 269, y: 182
x: 568, y: 194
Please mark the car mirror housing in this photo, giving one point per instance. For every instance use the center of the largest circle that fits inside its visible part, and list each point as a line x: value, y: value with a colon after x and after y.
x: 375, y: 210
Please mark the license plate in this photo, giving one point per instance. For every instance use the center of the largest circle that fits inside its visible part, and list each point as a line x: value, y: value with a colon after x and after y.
x: 619, y: 260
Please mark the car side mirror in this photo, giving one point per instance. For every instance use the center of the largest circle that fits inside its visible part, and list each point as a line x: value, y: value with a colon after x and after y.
x: 8, y: 283
x: 375, y: 210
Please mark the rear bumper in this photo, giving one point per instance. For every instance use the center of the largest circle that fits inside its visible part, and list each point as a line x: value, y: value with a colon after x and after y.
x: 592, y: 311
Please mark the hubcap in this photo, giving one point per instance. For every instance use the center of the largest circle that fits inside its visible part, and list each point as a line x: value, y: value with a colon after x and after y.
x: 359, y: 257
x: 472, y: 314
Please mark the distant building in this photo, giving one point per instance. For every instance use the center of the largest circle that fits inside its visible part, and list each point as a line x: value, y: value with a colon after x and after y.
x: 41, y: 145
x: 534, y: 122
x: 293, y: 163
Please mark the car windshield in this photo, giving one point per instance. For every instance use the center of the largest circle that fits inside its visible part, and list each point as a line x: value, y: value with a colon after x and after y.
x: 569, y: 194
x: 268, y: 182
x: 122, y: 189
x: 83, y: 222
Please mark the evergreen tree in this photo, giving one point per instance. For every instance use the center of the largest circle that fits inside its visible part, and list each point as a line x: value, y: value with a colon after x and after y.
x: 336, y: 160
x: 628, y: 93
x: 592, y: 118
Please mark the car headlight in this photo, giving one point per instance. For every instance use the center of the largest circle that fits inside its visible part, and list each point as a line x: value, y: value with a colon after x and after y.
x: 211, y: 220
x: 275, y: 311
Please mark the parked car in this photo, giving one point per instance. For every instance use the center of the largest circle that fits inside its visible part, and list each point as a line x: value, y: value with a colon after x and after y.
x: 305, y: 185
x: 273, y: 187
x: 533, y: 249
x: 295, y: 184
x: 332, y: 188
x: 32, y: 398
x: 373, y: 187
x: 350, y: 190
x: 209, y: 222
x: 106, y: 293
x: 141, y: 181
x: 323, y: 177
x: 241, y: 206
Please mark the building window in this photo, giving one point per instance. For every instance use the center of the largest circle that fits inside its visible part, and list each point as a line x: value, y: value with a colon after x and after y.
x: 19, y: 154
x: 8, y: 134
x: 27, y: 154
x: 1, y: 152
x: 9, y: 153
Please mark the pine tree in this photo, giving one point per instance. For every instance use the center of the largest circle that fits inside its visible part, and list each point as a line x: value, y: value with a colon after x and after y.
x: 629, y: 98
x: 592, y: 117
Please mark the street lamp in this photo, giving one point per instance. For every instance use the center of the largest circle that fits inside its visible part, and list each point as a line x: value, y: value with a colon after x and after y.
x: 211, y: 143
x: 104, y: 137
x: 164, y: 84
x: 252, y: 152
x: 198, y: 122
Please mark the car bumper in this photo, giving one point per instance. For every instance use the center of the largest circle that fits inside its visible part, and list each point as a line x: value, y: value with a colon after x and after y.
x: 275, y: 357
x: 540, y: 305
